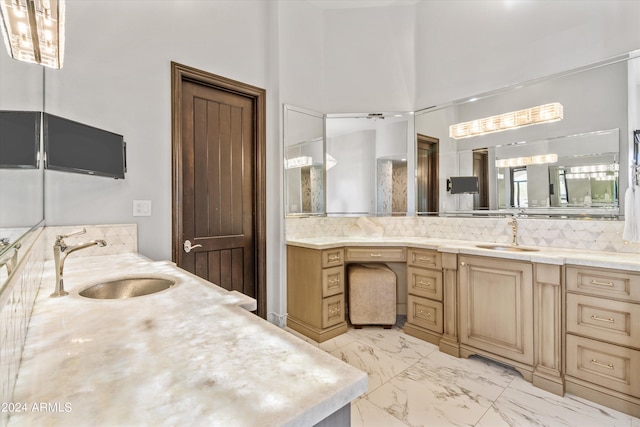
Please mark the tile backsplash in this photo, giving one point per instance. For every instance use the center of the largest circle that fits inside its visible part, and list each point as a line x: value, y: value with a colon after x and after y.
x: 19, y: 292
x: 600, y: 235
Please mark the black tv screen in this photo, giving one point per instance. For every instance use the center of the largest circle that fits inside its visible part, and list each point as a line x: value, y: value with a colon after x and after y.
x: 19, y: 139
x: 464, y: 184
x: 75, y: 147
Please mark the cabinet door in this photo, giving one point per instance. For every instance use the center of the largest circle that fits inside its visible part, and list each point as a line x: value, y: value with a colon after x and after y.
x: 496, y: 306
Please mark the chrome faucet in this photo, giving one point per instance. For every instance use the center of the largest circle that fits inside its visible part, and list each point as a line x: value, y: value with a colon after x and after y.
x: 61, y: 251
x: 514, y: 229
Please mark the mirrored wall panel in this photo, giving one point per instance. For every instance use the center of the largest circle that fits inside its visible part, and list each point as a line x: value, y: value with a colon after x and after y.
x: 304, y: 162
x: 370, y: 164
x: 558, y: 145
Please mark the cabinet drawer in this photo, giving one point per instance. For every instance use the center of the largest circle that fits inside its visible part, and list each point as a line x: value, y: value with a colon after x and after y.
x: 332, y: 281
x: 332, y: 310
x: 608, y: 365
x: 604, y: 282
x: 425, y: 283
x: 608, y: 320
x: 332, y: 257
x: 424, y: 258
x: 376, y: 254
x: 425, y: 313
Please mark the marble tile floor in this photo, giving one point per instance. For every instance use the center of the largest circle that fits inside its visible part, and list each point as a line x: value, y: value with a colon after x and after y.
x: 411, y: 383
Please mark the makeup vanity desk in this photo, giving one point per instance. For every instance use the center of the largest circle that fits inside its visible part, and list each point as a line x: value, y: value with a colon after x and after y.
x: 567, y: 320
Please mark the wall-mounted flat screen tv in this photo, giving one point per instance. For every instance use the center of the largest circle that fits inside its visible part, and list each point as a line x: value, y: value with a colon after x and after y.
x: 75, y: 147
x: 19, y: 139
x: 464, y: 184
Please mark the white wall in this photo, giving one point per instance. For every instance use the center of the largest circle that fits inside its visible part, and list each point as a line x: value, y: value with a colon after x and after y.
x: 464, y: 48
x: 117, y: 77
x: 369, y: 59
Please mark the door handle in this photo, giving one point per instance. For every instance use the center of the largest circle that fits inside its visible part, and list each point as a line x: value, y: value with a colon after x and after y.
x: 187, y: 246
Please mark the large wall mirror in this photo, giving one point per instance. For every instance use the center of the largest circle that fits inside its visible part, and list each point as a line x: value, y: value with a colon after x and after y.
x: 575, y: 164
x: 304, y: 183
x: 369, y: 164
x: 21, y: 182
x: 348, y: 164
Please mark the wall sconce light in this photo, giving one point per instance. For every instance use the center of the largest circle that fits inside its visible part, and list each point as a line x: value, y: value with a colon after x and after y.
x: 526, y: 161
x: 33, y: 30
x: 546, y: 113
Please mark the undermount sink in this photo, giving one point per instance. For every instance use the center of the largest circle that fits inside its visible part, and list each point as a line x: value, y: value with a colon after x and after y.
x: 506, y: 248
x: 127, y: 288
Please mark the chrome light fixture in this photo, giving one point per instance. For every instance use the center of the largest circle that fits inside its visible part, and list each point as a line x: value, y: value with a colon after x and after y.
x: 546, y: 113
x: 33, y: 30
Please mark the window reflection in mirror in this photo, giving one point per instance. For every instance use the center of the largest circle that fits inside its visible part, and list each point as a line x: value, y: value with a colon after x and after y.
x: 574, y: 172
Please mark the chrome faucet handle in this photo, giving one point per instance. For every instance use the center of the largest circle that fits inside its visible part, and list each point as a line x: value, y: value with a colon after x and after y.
x: 60, y: 237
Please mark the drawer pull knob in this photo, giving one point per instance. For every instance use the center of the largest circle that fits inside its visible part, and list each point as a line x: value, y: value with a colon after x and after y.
x: 334, y: 311
x: 423, y: 312
x: 463, y: 264
x: 597, y: 282
x: 602, y: 319
x: 602, y: 365
x: 334, y: 280
x: 334, y: 257
x: 420, y: 282
x: 376, y: 255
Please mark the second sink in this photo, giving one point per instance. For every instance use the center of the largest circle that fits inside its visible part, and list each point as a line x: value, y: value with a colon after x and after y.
x: 127, y: 288
x: 507, y: 248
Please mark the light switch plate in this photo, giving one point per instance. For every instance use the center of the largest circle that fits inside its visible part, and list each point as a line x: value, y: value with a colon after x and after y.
x: 142, y: 208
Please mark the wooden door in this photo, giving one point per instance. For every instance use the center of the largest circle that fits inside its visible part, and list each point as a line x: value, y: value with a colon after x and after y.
x: 428, y: 186
x: 481, y: 170
x: 217, y: 207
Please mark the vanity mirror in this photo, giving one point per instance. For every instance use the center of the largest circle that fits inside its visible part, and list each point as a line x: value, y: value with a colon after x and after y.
x: 21, y: 182
x: 348, y: 164
x: 575, y: 164
x: 369, y: 164
x: 304, y: 183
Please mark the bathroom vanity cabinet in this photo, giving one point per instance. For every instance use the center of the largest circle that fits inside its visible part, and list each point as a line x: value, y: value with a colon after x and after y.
x: 603, y: 336
x: 511, y: 311
x: 562, y: 325
x: 496, y: 308
x: 316, y: 292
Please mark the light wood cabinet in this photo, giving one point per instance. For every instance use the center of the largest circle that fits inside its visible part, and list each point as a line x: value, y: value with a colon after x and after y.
x: 316, y: 292
x: 425, y: 308
x: 603, y: 336
x: 496, y: 308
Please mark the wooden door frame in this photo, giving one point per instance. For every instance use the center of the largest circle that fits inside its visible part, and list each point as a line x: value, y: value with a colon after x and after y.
x: 179, y: 74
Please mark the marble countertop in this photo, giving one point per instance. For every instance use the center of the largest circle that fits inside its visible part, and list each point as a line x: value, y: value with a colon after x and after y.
x: 548, y: 255
x: 190, y: 355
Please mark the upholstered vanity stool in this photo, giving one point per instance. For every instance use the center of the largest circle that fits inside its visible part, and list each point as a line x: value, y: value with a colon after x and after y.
x: 372, y: 295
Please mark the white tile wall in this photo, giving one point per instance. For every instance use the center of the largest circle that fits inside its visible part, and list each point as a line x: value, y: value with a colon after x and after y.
x: 120, y: 238
x: 19, y: 293
x: 602, y: 235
